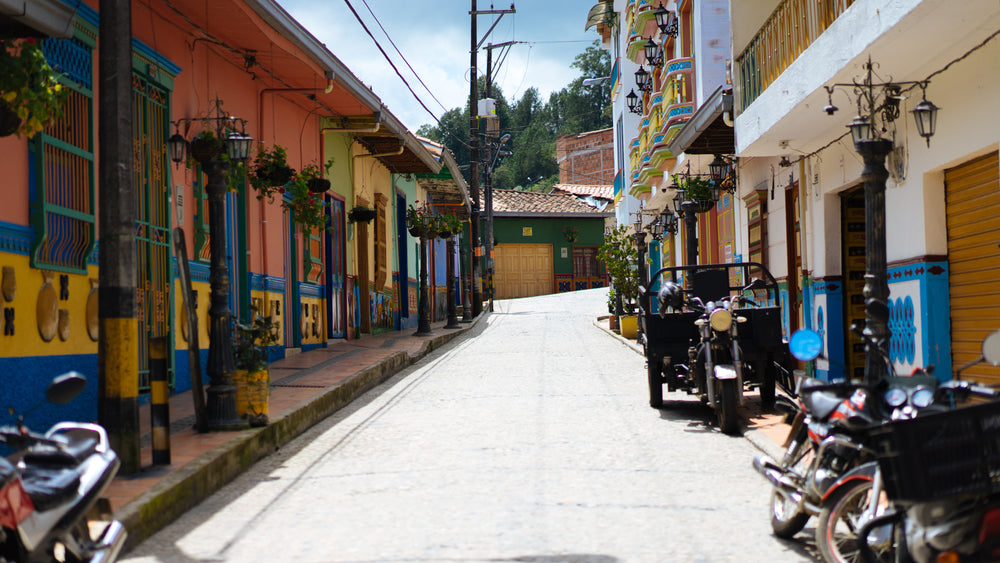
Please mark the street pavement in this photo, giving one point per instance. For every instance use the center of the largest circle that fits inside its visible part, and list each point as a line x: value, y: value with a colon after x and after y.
x: 527, y: 439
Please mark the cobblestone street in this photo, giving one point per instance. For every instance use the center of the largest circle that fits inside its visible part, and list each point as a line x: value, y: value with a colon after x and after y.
x: 528, y: 440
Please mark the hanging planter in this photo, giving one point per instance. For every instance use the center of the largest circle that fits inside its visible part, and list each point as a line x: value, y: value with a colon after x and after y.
x: 318, y: 185
x: 31, y: 95
x: 361, y: 214
x: 205, y: 146
x: 417, y: 231
x: 279, y: 176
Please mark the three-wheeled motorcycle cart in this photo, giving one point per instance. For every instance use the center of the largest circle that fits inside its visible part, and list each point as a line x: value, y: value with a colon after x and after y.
x: 686, y: 350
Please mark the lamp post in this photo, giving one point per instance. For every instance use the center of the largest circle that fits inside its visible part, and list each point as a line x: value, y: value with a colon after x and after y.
x: 424, y: 306
x: 878, y: 108
x: 634, y: 102
x: 450, y: 270
x: 221, y: 393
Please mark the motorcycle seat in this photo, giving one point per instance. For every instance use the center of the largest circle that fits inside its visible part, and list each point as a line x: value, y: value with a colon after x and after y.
x: 70, y: 454
x: 821, y: 403
x: 48, y: 487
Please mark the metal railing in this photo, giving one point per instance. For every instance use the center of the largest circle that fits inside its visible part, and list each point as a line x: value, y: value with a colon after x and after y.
x: 791, y: 28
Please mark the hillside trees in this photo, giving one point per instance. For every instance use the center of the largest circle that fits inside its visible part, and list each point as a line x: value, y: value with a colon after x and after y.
x: 535, y: 124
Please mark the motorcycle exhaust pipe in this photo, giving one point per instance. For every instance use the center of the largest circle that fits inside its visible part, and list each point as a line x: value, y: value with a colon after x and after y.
x: 110, y: 543
x: 776, y: 476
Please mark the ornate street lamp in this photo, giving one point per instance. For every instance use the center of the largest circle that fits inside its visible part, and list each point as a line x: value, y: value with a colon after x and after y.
x: 221, y: 394
x: 642, y: 80
x: 634, y: 102
x: 666, y: 21
x: 878, y: 108
x: 669, y: 221
x: 653, y: 53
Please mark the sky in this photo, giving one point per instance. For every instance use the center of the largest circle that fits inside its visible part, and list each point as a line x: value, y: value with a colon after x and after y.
x: 435, y: 36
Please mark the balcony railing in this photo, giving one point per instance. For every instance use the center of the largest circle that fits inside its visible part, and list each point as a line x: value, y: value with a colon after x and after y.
x: 790, y: 29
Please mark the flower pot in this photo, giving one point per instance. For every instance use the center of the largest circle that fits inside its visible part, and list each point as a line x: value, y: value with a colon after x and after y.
x: 9, y: 121
x: 318, y: 185
x: 704, y: 205
x: 418, y: 231
x: 629, y: 326
x: 203, y: 149
x: 430, y: 234
x: 280, y: 175
x: 252, y: 391
x: 361, y: 215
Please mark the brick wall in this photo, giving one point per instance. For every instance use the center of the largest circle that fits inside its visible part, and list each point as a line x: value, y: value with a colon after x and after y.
x: 587, y: 158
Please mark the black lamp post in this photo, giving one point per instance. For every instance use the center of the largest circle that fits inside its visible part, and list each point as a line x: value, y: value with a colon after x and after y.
x: 666, y: 21
x: 640, y: 245
x: 450, y: 269
x: 634, y: 102
x: 424, y: 306
x: 878, y: 108
x: 653, y: 53
x: 221, y: 393
x: 642, y: 80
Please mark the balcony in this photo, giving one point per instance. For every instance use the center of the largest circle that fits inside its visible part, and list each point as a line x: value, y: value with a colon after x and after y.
x: 791, y: 28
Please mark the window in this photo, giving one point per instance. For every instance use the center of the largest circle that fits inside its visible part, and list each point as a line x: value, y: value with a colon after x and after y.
x: 61, y: 162
x: 381, y: 251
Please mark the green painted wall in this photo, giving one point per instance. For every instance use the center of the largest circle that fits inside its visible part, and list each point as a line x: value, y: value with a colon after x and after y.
x: 546, y: 230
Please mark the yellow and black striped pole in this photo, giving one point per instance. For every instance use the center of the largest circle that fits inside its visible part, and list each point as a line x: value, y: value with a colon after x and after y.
x: 159, y: 399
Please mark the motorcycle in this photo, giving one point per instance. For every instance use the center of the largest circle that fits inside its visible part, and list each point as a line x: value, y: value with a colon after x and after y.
x: 939, y: 473
x: 827, y: 470
x: 712, y: 340
x: 51, y: 486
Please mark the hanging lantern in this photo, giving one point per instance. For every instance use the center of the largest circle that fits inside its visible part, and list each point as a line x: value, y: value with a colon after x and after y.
x: 925, y: 115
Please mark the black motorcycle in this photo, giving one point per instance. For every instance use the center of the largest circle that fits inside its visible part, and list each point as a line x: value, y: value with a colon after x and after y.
x: 51, y: 486
x: 712, y: 339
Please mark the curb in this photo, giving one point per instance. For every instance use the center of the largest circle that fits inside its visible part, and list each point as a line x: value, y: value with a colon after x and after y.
x: 189, y: 485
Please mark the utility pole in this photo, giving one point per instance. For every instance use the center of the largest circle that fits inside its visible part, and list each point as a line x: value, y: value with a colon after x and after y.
x: 477, y: 294
x: 118, y: 346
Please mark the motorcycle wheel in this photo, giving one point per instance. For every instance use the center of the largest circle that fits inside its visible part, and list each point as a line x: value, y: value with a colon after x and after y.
x: 654, y: 374
x: 786, y: 518
x: 725, y: 407
x: 836, y: 532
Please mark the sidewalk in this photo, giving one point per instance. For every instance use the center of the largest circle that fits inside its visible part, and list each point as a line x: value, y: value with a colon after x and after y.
x: 305, y: 389
x: 765, y: 430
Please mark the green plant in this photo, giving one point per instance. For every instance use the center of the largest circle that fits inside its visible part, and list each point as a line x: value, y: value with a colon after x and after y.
x: 570, y: 233
x: 29, y: 87
x: 452, y: 223
x: 308, y: 209
x: 361, y: 214
x: 251, y: 339
x: 311, y: 173
x: 270, y: 171
x: 696, y: 188
x: 417, y: 216
x: 620, y: 257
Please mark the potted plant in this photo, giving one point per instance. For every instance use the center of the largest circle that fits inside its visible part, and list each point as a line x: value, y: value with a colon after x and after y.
x: 314, y: 177
x: 250, y: 346
x: 270, y: 170
x: 570, y: 233
x: 452, y: 223
x: 361, y: 214
x: 620, y: 257
x: 308, y: 209
x: 696, y: 189
x: 30, y: 94
x: 417, y: 219
x: 206, y: 146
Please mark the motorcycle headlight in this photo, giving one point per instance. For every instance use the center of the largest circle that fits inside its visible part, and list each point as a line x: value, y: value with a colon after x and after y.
x: 922, y: 397
x: 895, y: 397
x: 721, y: 320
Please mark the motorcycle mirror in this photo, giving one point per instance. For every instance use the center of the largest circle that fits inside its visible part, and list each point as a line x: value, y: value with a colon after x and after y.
x: 991, y: 348
x: 805, y: 345
x: 755, y: 284
x: 64, y: 388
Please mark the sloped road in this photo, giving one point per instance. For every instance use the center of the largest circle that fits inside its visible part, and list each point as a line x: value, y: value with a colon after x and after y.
x: 529, y: 441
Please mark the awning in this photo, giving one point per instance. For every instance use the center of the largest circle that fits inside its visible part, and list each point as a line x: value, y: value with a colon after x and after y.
x: 706, y: 132
x: 36, y: 18
x: 602, y: 12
